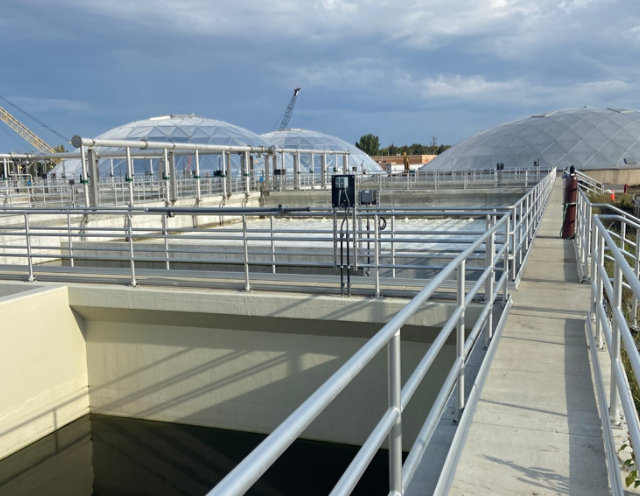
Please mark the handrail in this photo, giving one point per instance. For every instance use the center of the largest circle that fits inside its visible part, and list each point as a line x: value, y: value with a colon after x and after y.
x: 245, y: 474
x: 248, y: 471
x: 598, y: 243
x: 70, y: 236
x: 117, y: 190
x: 477, y: 272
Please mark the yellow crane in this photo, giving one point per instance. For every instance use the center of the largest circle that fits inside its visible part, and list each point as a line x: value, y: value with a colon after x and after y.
x: 26, y: 133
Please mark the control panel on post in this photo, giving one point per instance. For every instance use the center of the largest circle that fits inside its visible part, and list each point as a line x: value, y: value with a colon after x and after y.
x: 343, y: 191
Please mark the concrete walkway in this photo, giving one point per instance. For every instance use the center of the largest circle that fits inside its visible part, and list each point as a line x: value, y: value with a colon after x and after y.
x: 536, y: 430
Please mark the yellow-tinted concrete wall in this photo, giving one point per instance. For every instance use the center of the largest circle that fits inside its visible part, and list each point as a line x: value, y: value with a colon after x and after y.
x: 246, y: 361
x: 43, y: 368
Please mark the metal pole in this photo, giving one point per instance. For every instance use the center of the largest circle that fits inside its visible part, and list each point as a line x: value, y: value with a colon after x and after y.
x: 132, y: 264
x: 197, y: 178
x: 27, y: 233
x: 165, y: 238
x: 228, y: 175
x: 460, y: 333
x: 296, y: 171
x: 636, y: 268
x: 599, y: 287
x: 507, y: 253
x: 247, y: 286
x: 489, y: 262
x: 245, y: 172
x: 130, y: 176
x: 164, y: 177
x: 83, y: 177
x: 92, y: 182
x: 393, y: 245
x: 173, y: 177
x: 345, y: 163
x: 377, y: 254
x: 71, y: 263
x: 323, y: 170
x: 395, y: 434
x: 273, y: 247
x: 615, y: 344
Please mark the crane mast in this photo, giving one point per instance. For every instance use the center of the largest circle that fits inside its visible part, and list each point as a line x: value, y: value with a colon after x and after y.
x: 26, y: 133
x: 289, y: 111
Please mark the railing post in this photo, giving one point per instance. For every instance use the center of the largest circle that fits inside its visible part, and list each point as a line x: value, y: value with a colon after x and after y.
x: 376, y: 244
x: 395, y: 435
x: 273, y: 247
x: 460, y: 334
x: 615, y: 344
x: 506, y: 255
x: 513, y: 234
x: 323, y: 170
x: 27, y: 233
x: 247, y: 286
x: 131, y: 251
x: 393, y: 246
x: 597, y: 288
x: 636, y: 268
x: 296, y: 170
x: 71, y: 263
x: 165, y: 236
x: 197, y: 177
x: 130, y: 175
x: 489, y: 263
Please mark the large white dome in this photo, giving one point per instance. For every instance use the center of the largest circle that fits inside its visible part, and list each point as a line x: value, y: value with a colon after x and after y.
x: 177, y: 129
x: 314, y: 140
x: 588, y: 138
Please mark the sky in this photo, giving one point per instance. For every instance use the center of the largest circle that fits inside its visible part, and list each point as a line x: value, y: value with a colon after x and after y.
x: 406, y: 71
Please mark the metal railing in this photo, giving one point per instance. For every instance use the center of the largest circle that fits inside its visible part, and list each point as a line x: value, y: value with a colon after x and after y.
x: 587, y: 183
x: 492, y: 283
x: 472, y: 266
x: 141, y: 189
x: 609, y: 258
x: 494, y: 278
x: 194, y: 243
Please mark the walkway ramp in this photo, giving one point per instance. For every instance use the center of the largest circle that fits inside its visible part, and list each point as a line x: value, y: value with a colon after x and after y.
x: 536, y: 430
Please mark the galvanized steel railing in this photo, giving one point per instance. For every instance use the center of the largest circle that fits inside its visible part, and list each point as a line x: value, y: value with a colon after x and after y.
x: 141, y: 189
x: 608, y: 258
x: 165, y: 241
x: 493, y: 281
x: 477, y: 272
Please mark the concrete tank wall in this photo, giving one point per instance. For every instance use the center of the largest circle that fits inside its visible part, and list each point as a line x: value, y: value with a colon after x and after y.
x: 245, y: 361
x: 223, y: 359
x: 43, y: 366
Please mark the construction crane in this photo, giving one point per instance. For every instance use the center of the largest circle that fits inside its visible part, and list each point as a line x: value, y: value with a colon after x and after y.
x: 289, y: 111
x: 37, y: 142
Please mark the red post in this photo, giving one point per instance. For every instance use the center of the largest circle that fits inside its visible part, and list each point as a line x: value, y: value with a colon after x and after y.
x: 570, y: 197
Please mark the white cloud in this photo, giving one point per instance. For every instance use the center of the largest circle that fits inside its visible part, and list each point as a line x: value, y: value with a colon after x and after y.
x: 41, y: 106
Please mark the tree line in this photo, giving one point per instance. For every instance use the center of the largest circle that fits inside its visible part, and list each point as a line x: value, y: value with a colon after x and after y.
x: 370, y: 144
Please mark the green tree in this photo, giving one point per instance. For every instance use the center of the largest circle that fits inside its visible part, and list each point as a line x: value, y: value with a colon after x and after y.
x: 369, y: 143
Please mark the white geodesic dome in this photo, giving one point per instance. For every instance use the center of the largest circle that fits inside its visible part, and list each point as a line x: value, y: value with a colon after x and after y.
x: 171, y: 128
x: 589, y: 138
x: 359, y: 161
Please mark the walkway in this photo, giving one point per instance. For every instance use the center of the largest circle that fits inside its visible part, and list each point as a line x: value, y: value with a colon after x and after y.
x: 536, y: 430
